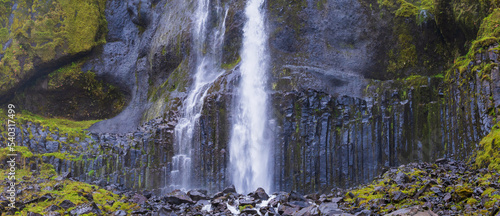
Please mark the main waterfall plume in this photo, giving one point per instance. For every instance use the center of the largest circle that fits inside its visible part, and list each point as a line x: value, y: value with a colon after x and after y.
x: 249, y: 146
x: 207, y: 46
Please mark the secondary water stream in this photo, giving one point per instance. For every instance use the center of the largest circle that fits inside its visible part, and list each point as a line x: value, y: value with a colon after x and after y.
x: 207, y: 45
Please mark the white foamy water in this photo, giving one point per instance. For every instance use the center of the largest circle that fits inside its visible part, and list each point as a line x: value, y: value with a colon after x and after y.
x: 249, y: 148
x: 207, y: 47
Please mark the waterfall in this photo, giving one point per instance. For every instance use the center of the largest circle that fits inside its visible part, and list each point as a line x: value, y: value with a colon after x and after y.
x: 249, y: 147
x: 207, y: 46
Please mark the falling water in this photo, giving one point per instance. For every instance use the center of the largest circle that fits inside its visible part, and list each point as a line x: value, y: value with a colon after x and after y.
x: 249, y: 147
x: 207, y: 47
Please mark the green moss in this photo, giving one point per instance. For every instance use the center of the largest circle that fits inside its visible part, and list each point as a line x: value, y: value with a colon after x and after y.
x: 84, y: 95
x: 231, y: 65
x: 366, y: 196
x: 24, y: 151
x: 74, y: 191
x: 487, y: 36
x: 59, y: 28
x: 405, y: 56
x: 59, y: 155
x: 65, y: 126
x: 463, y: 191
x: 4, y: 35
x: 406, y: 10
x: 177, y: 81
x: 68, y: 128
x: 289, y: 12
x: 243, y: 207
x: 48, y: 169
x: 488, y: 154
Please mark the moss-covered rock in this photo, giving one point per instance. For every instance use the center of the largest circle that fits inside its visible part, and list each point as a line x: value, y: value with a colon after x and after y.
x: 41, y: 35
x: 72, y: 130
x: 34, y: 173
x: 488, y: 154
x: 69, y: 92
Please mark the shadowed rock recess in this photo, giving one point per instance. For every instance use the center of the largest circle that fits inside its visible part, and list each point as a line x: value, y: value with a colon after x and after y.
x: 358, y: 91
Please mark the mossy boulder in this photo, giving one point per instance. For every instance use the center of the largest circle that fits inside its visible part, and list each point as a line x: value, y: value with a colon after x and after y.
x: 464, y: 191
x: 40, y: 36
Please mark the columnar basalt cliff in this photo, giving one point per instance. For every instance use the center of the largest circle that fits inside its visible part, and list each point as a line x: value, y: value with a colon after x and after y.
x: 355, y: 87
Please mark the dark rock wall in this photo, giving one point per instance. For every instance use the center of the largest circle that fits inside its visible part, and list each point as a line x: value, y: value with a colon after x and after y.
x: 322, y: 141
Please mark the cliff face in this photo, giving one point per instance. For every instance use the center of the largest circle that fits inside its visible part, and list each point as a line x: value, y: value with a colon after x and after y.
x: 356, y: 87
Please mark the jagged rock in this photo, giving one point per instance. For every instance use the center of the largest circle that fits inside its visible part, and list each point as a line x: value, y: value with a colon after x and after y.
x: 300, y: 204
x: 88, y: 196
x: 250, y: 211
x: 147, y: 194
x: 229, y: 189
x: 421, y: 191
x: 436, y: 190
x: 139, y: 199
x: 350, y: 195
x: 86, y: 208
x: 398, y: 196
x: 402, y: 178
x: 197, y: 194
x: 101, y: 183
x: 66, y: 204
x: 336, y: 199
x: 52, y: 208
x: 329, y: 209
x: 46, y: 197
x: 295, y: 196
x: 139, y: 11
x: 412, y: 211
x: 287, y: 209
x: 441, y: 160
x: 33, y: 214
x: 63, y: 176
x: 246, y: 202
x: 313, y: 196
x: 140, y: 212
x: 165, y: 211
x: 364, y: 213
x: 119, y: 213
x: 58, y: 186
x: 178, y: 197
x: 51, y: 146
x: 260, y: 194
x: 464, y: 191
x: 308, y: 211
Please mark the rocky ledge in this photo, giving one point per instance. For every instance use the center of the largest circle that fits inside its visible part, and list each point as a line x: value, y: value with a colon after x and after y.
x: 445, y: 187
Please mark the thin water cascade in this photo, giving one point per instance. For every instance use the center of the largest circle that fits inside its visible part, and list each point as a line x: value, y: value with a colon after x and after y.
x: 207, y: 45
x: 249, y: 146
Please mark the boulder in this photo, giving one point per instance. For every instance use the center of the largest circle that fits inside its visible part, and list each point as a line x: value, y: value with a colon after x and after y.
x: 229, y: 189
x: 259, y: 194
x: 66, y: 204
x: 197, y: 195
x: 329, y: 209
x: 86, y: 208
x: 139, y: 199
x: 52, y: 208
x: 178, y: 197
